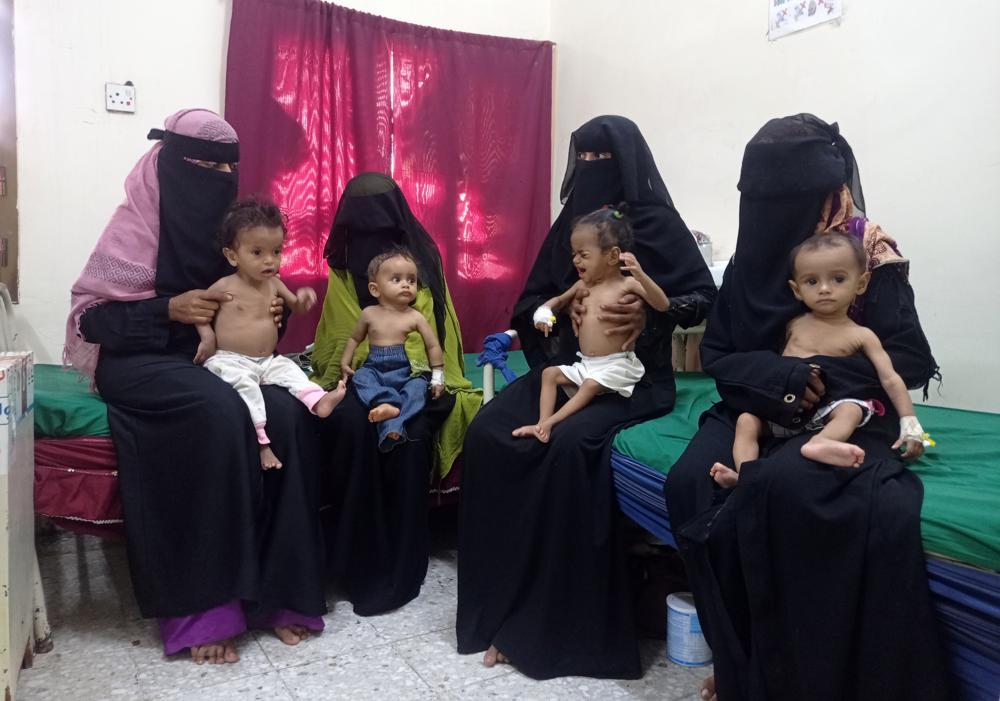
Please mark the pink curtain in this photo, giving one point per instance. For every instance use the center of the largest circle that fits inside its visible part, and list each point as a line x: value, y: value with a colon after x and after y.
x: 319, y: 93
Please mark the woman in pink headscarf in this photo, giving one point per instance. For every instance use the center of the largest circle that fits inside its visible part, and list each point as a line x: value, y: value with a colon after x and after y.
x: 214, y: 543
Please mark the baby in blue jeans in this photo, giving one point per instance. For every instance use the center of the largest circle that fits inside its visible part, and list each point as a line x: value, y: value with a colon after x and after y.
x: 384, y: 383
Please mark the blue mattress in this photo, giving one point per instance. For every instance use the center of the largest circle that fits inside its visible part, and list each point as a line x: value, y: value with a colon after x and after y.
x: 967, y: 599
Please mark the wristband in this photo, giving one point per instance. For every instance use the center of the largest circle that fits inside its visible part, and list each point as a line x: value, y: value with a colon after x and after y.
x: 543, y: 315
x: 437, y: 377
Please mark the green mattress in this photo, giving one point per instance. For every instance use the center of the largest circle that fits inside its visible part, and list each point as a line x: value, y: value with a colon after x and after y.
x: 64, y: 405
x: 961, y: 475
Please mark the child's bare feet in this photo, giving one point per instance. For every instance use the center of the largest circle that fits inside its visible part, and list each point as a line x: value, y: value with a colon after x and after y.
x: 293, y: 634
x: 383, y: 412
x: 268, y: 460
x: 494, y: 657
x: 330, y: 400
x: 724, y: 476
x: 708, y: 689
x: 215, y: 653
x: 831, y: 452
x: 536, y: 431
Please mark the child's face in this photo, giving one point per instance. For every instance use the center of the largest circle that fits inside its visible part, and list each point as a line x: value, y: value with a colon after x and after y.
x: 395, y: 282
x: 828, y: 280
x: 256, y: 252
x: 591, y: 263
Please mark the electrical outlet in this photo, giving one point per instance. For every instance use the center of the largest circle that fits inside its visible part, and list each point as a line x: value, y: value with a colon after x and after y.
x: 119, y: 97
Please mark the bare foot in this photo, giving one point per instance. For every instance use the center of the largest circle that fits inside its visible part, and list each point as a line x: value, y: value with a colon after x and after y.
x: 494, y: 657
x: 831, y: 452
x: 293, y: 634
x: 724, y: 476
x: 535, y: 431
x: 708, y: 689
x: 330, y: 400
x: 383, y: 412
x: 215, y: 653
x: 268, y: 460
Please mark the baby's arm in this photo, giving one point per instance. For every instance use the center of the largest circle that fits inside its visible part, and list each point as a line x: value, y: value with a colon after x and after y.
x: 434, y: 354
x: 910, y: 431
x: 641, y: 284
x: 357, y: 336
x: 300, y: 302
x: 206, y: 346
x: 544, y: 313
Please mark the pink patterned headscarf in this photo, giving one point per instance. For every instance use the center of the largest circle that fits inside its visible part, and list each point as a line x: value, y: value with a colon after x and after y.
x: 122, y: 266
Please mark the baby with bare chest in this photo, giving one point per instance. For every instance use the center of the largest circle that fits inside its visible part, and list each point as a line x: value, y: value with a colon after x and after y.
x: 828, y: 271
x: 600, y: 242
x: 385, y: 382
x: 239, y: 345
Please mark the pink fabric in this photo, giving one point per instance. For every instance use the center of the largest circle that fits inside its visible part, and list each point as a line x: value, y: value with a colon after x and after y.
x: 309, y: 397
x: 77, y: 479
x: 462, y: 122
x: 261, y: 430
x: 122, y: 266
x: 224, y: 622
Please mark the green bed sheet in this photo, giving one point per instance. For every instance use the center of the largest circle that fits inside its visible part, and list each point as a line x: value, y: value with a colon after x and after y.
x: 64, y: 405
x: 961, y: 475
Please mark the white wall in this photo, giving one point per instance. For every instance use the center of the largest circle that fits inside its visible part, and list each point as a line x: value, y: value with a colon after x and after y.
x: 74, y: 156
x: 916, y: 92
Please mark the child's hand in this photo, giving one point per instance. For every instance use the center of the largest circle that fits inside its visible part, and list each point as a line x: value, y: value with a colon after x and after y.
x: 437, y: 382
x: 914, y: 447
x: 206, y: 349
x: 630, y: 263
x: 306, y: 297
x: 346, y: 371
x: 543, y: 319
x: 911, y: 434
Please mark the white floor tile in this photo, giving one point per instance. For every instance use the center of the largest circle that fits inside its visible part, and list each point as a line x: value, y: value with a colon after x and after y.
x: 262, y: 687
x: 345, y: 632
x: 379, y: 673
x: 435, y: 658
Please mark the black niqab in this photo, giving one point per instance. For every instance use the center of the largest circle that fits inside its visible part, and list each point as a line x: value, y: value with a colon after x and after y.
x: 193, y: 200
x: 663, y: 243
x: 789, y: 168
x: 372, y: 217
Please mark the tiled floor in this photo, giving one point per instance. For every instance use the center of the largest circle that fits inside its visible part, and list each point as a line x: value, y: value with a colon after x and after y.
x: 104, y: 650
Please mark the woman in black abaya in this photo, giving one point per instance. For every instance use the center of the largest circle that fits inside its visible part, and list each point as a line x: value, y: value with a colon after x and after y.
x: 809, y: 579
x: 377, y: 530
x: 212, y: 540
x: 541, y: 579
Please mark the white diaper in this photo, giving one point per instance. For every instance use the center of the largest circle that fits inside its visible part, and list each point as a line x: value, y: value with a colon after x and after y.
x: 618, y: 372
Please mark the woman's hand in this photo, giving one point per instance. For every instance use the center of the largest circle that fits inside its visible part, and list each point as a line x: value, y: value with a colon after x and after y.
x: 814, y: 391
x: 196, y: 306
x: 277, y: 310
x: 577, y: 308
x: 628, y: 317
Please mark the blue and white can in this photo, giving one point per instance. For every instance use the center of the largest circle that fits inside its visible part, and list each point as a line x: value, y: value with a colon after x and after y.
x: 685, y: 643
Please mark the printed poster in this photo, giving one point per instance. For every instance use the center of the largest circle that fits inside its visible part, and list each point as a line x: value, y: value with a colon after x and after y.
x: 787, y: 16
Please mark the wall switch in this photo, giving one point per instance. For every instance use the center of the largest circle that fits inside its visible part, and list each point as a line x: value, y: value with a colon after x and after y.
x: 119, y: 97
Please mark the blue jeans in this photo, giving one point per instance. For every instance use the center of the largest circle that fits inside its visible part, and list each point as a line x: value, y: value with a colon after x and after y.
x: 385, y: 379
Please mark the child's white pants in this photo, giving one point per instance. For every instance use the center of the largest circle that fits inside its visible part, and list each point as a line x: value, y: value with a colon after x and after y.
x: 246, y: 374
